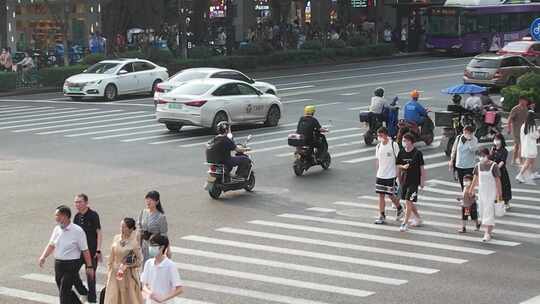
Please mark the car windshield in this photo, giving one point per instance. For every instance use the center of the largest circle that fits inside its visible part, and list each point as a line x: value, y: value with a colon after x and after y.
x: 516, y: 47
x: 485, y: 63
x: 193, y: 89
x: 188, y: 75
x: 102, y: 68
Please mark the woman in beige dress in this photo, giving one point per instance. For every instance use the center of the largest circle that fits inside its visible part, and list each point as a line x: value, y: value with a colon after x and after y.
x: 123, y: 284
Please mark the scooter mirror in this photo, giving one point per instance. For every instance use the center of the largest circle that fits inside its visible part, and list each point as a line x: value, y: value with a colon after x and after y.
x: 501, y: 100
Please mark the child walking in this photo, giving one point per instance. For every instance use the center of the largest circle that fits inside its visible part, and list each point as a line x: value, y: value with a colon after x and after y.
x: 468, y: 205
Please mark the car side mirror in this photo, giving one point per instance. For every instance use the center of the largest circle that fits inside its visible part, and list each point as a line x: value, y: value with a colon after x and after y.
x: 259, y: 93
x: 252, y: 80
x: 122, y: 72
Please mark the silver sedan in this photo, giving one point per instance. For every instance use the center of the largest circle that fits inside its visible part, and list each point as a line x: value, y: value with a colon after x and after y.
x: 207, y: 102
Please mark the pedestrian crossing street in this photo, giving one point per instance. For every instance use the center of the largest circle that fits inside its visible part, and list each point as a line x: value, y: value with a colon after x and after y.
x: 330, y: 253
x: 139, y: 127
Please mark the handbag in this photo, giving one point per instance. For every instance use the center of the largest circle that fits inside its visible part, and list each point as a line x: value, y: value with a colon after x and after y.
x: 500, y: 211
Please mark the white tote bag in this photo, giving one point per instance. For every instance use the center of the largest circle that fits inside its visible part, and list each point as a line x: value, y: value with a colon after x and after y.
x: 499, y: 209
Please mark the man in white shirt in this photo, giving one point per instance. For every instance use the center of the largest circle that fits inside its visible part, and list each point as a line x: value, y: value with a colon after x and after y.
x: 473, y: 102
x: 160, y: 278
x: 68, y: 242
x: 386, y: 153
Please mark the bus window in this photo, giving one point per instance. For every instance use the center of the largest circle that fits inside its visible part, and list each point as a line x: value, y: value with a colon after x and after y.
x: 515, y: 21
x: 505, y: 22
x: 443, y: 25
x: 495, y: 23
x: 483, y: 23
x: 469, y: 24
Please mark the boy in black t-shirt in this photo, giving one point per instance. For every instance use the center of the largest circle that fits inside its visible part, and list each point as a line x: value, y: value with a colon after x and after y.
x: 412, y: 175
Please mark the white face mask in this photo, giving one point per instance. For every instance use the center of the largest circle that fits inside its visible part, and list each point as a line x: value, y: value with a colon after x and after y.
x: 497, y: 142
x: 153, y: 251
x: 380, y: 138
x: 467, y: 136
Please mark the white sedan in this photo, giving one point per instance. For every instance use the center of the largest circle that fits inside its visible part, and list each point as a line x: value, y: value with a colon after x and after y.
x: 207, y: 102
x: 205, y: 73
x: 110, y: 78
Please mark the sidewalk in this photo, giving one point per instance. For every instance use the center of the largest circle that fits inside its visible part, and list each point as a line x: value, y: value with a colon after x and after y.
x: 28, y: 91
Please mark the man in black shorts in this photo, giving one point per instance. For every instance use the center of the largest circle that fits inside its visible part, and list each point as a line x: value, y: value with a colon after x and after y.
x: 410, y: 162
x: 386, y: 152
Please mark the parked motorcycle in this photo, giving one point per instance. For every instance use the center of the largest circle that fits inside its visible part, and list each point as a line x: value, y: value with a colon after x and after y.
x: 304, y: 156
x: 219, y: 179
x: 375, y: 121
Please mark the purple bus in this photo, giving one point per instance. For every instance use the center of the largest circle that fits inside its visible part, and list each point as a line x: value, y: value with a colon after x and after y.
x: 476, y: 29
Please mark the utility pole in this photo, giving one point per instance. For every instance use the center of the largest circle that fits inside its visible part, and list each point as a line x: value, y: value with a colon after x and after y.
x: 182, y: 28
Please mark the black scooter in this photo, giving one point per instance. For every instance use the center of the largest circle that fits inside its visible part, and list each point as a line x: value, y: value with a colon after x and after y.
x: 219, y: 179
x: 304, y: 156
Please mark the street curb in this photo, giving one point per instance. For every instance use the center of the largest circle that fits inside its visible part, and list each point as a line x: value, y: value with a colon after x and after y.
x: 26, y: 92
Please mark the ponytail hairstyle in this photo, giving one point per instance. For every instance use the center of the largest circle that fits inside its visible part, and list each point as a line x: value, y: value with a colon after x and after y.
x: 154, y: 195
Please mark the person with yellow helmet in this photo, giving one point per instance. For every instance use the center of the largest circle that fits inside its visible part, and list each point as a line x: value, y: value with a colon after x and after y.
x: 311, y: 129
x: 414, y: 112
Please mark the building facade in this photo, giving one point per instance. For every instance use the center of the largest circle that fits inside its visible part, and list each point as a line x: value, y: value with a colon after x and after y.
x: 38, y: 24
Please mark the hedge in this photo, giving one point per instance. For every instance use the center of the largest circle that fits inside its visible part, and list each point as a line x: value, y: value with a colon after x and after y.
x: 55, y: 76
x: 8, y: 81
x: 528, y: 85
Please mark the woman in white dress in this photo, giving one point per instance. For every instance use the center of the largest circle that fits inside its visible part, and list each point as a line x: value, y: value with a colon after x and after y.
x: 529, y: 136
x: 487, y: 178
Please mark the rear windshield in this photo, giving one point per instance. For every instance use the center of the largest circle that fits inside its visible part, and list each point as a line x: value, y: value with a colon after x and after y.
x: 485, y: 63
x: 193, y: 89
x: 187, y: 76
x: 516, y: 47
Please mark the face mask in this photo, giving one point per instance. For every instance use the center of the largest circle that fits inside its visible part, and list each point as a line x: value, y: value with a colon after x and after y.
x: 497, y: 142
x: 483, y: 159
x: 380, y: 138
x: 153, y: 251
x: 229, y: 135
x: 467, y: 136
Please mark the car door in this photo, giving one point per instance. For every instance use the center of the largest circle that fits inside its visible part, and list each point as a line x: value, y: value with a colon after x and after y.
x: 535, y: 52
x: 523, y: 67
x: 256, y: 107
x: 144, y: 74
x: 230, y: 99
x: 127, y: 82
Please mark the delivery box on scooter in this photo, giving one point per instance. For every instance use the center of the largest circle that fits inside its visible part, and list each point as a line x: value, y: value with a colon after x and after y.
x: 296, y: 140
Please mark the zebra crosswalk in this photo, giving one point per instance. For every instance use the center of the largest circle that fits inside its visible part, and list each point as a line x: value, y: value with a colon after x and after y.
x: 327, y: 253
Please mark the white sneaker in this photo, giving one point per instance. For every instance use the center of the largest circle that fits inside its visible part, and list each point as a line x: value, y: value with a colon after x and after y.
x: 403, y: 227
x: 535, y: 175
x: 487, y: 237
x: 520, y: 178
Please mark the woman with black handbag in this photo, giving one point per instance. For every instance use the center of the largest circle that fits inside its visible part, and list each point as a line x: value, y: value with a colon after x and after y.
x: 123, y: 284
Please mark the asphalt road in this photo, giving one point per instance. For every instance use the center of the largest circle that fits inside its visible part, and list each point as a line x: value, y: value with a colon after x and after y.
x: 293, y: 240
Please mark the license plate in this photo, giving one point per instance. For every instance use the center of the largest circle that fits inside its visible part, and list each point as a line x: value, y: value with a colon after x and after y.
x: 480, y: 75
x: 74, y: 89
x: 211, y: 179
x: 175, y: 106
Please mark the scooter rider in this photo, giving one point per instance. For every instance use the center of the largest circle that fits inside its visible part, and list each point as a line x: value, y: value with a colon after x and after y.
x: 414, y: 112
x: 378, y: 102
x: 311, y: 129
x: 226, y: 145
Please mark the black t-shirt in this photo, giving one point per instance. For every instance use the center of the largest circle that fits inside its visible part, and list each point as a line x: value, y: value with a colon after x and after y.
x: 89, y: 222
x: 415, y: 159
x: 308, y: 126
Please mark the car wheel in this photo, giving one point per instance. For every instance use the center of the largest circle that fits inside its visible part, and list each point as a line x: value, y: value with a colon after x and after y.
x: 271, y: 92
x: 220, y: 116
x: 273, y: 116
x: 154, y: 86
x: 111, y: 92
x: 76, y: 98
x: 174, y: 127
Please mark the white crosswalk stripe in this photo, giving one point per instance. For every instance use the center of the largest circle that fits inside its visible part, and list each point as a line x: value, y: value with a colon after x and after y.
x: 48, y: 116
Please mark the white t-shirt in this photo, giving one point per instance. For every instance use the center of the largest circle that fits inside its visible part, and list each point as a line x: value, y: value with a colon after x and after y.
x: 528, y: 143
x: 162, y: 278
x: 387, y: 159
x: 377, y: 104
x: 68, y: 243
x: 473, y: 102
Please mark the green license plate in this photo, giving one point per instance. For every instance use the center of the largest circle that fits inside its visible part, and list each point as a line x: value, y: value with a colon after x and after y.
x: 175, y: 106
x: 74, y: 89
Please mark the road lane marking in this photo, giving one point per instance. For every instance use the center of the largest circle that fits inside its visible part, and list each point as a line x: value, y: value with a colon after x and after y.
x: 42, y: 112
x: 327, y: 104
x: 288, y: 266
x: 29, y: 111
x: 378, y: 67
x: 349, y: 94
x: 86, y: 122
x: 15, y: 108
x: 319, y: 209
x: 28, y: 295
x: 78, y: 119
x: 310, y: 254
x: 442, y: 199
x: 244, y: 137
x: 109, y: 131
x: 535, y: 300
x: 275, y: 280
x: 33, y: 111
x: 373, y: 157
x: 359, y: 108
x: 338, y: 245
x: 365, y: 236
x: 295, y: 88
x: 446, y: 215
x: 287, y: 146
x: 457, y: 185
x: 371, y: 84
x: 412, y: 231
x: 346, y: 144
x: 98, y: 127
x: 296, y: 100
x: 77, y: 102
x: 134, y: 133
x: 48, y: 116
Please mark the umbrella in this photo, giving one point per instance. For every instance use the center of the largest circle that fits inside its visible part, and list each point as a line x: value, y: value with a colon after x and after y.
x: 464, y: 89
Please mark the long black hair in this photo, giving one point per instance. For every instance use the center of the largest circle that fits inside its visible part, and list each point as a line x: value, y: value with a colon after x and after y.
x: 530, y: 123
x: 154, y: 195
x: 500, y: 137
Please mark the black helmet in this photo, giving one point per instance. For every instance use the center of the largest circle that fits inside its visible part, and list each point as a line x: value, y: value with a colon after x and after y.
x: 222, y: 127
x: 379, y: 92
x: 456, y: 99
